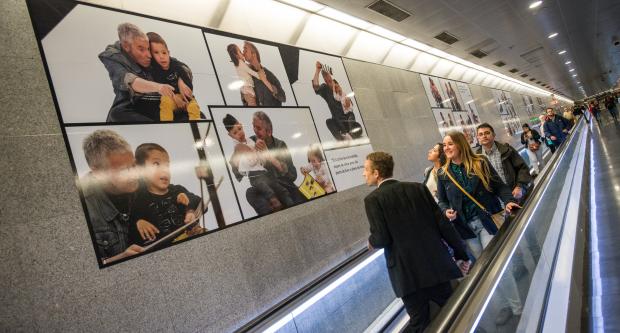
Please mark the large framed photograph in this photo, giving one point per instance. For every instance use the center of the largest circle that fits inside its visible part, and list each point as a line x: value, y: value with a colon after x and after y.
x: 434, y: 92
x: 251, y: 73
x: 322, y: 84
x: 453, y: 106
x: 109, y: 66
x: 143, y: 184
x: 506, y: 109
x: 274, y: 155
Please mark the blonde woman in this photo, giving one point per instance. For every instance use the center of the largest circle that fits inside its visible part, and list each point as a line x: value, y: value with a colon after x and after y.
x: 475, y: 175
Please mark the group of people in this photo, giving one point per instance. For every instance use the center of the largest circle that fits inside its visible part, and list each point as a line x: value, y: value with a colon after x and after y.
x: 594, y: 106
x: 433, y: 231
x: 130, y: 199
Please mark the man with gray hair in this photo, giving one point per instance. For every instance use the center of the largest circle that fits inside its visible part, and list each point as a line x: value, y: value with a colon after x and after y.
x: 278, y: 162
x: 128, y: 62
x: 109, y: 192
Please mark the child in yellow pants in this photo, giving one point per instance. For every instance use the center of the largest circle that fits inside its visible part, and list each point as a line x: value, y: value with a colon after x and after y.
x: 171, y: 71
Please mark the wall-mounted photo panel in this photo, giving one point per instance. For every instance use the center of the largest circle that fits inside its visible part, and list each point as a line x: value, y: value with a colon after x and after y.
x: 321, y: 83
x: 466, y: 125
x: 434, y: 92
x: 529, y: 104
x: 506, y: 109
x: 445, y: 121
x: 97, y: 77
x: 251, y: 73
x: 459, y: 110
x: 455, y: 101
x: 274, y: 155
x: 512, y: 126
x: 473, y: 118
x: 541, y: 104
x: 145, y: 187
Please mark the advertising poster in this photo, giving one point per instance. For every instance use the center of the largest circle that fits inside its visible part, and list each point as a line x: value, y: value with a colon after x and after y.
x: 100, y: 78
x: 529, y: 104
x: 453, y: 106
x: 541, y: 105
x: 142, y: 184
x: 175, y: 132
x: 272, y: 153
x: 507, y: 112
x: 455, y: 100
x: 321, y: 83
x: 434, y: 92
x: 251, y: 73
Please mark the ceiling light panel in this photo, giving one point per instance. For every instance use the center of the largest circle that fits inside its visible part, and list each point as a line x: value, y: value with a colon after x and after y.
x: 344, y: 18
x: 386, y: 33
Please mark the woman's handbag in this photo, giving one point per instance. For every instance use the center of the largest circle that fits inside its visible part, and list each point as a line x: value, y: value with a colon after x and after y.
x: 498, y: 218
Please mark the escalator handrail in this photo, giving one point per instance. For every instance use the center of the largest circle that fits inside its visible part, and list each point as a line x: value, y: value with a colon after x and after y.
x: 489, y: 265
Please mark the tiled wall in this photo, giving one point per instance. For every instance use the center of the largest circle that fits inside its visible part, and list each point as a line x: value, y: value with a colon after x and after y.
x: 50, y: 280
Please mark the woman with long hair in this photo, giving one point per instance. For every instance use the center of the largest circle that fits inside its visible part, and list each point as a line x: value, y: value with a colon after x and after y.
x: 438, y: 158
x: 475, y: 174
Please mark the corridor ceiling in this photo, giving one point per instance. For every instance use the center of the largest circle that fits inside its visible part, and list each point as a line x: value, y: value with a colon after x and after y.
x: 512, y: 33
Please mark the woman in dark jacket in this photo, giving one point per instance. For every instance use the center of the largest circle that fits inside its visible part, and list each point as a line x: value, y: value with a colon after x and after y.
x: 530, y: 138
x: 476, y: 175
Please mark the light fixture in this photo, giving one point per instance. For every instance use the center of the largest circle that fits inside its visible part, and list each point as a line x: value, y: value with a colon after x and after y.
x: 568, y: 62
x: 535, y: 4
x: 344, y: 18
x: 574, y: 75
x: 416, y: 45
x: 578, y: 82
x: 553, y: 35
x: 383, y: 32
x: 308, y: 5
x: 562, y: 52
x: 571, y: 70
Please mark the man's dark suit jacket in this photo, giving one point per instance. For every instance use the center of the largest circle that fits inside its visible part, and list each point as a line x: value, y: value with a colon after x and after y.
x: 406, y: 221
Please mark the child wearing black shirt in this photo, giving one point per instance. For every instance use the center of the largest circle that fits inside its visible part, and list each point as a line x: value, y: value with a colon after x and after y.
x: 170, y: 71
x: 166, y: 206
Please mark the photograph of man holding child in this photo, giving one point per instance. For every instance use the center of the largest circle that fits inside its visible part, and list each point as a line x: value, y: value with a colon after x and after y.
x: 267, y: 151
x: 148, y: 84
x: 323, y: 85
x: 131, y: 69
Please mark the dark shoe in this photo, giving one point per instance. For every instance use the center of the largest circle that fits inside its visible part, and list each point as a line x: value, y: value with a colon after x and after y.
x: 503, y: 316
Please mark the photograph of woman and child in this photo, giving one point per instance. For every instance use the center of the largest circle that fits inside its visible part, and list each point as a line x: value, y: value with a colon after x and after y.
x: 251, y: 73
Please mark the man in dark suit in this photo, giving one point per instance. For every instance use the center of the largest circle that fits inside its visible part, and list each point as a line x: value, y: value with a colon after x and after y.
x: 407, y: 223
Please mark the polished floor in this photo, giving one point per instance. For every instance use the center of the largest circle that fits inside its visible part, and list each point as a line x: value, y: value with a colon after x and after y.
x: 605, y: 226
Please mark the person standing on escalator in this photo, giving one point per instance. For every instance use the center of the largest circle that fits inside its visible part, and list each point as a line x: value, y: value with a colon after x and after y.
x: 406, y: 222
